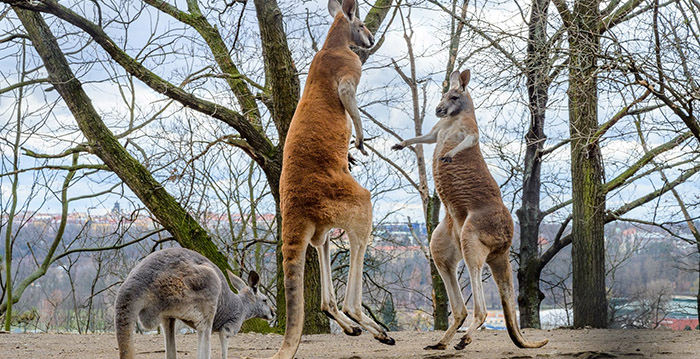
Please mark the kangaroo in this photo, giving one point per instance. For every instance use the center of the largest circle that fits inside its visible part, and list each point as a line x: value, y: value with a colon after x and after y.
x: 178, y: 283
x: 316, y: 189
x: 477, y: 223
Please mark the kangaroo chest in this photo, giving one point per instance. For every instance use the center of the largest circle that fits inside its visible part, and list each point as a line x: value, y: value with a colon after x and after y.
x: 451, y: 134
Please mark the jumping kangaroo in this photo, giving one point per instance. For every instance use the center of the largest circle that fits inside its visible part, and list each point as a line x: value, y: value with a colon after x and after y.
x: 477, y: 223
x: 178, y: 283
x: 316, y: 189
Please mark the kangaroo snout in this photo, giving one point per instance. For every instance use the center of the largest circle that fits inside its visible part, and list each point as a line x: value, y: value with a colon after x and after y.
x: 371, y: 40
x: 440, y: 111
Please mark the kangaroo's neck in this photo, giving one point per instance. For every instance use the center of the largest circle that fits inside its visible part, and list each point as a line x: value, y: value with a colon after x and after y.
x: 232, y: 308
x: 339, y: 34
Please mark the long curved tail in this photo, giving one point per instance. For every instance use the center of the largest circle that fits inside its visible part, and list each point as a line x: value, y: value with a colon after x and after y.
x: 295, y: 239
x: 124, y: 324
x: 500, y: 268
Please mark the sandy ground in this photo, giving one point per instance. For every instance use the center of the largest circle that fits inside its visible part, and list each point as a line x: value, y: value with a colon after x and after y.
x: 584, y: 344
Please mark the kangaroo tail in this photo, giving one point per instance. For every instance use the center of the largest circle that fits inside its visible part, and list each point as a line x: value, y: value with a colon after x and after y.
x: 124, y: 323
x: 295, y: 239
x: 500, y: 267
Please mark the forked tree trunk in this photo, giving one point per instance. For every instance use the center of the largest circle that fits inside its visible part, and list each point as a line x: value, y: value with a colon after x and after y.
x: 588, y: 193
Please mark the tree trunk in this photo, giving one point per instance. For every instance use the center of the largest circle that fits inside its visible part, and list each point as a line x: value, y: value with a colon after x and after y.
x: 588, y: 194
x: 280, y: 72
x: 529, y: 294
x: 13, y: 206
x: 102, y: 143
x: 440, y: 300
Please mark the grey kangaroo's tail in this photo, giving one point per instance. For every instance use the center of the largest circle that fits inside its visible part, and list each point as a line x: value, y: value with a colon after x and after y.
x: 124, y: 323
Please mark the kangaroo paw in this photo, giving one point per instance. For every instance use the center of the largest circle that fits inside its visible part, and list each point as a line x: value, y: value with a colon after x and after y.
x: 354, y: 332
x: 386, y: 340
x: 463, y: 343
x: 438, y: 346
x: 397, y: 147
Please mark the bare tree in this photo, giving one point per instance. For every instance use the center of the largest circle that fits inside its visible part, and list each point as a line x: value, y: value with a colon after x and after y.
x: 563, y: 45
x: 279, y: 95
x: 429, y: 198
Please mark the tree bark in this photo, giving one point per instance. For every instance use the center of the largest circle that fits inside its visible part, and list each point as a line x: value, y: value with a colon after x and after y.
x: 529, y: 215
x: 281, y: 95
x: 440, y: 300
x: 280, y: 73
x: 588, y: 192
x: 102, y: 143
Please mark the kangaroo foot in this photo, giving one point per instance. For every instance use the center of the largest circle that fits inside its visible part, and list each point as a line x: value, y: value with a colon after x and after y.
x: 463, y: 342
x: 353, y: 332
x: 438, y: 346
x: 386, y: 340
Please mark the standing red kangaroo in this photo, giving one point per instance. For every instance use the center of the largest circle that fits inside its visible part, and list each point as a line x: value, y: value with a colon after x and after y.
x: 317, y: 191
x: 477, y: 223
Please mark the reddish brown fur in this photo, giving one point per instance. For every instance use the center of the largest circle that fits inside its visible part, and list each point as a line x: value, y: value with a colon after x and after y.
x: 315, y: 174
x: 477, y: 220
x: 316, y: 189
x: 477, y: 223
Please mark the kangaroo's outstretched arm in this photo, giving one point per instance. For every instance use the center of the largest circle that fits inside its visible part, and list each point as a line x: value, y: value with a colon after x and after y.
x: 346, y: 92
x: 468, y: 141
x: 430, y: 137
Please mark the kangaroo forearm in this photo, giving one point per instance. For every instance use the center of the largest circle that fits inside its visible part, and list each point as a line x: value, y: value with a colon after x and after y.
x: 467, y: 142
x: 346, y: 92
x: 429, y: 138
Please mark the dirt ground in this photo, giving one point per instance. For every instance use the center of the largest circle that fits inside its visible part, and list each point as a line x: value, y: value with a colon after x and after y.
x: 564, y: 343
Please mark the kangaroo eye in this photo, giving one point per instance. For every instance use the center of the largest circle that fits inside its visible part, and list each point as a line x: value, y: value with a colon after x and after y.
x: 454, y: 98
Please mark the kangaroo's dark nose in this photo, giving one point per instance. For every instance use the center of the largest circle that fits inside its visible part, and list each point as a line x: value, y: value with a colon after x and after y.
x: 440, y: 112
x: 371, y: 40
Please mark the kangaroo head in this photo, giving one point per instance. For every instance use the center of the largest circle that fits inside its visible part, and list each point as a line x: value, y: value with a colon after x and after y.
x: 260, y: 306
x: 360, y: 36
x: 457, y: 98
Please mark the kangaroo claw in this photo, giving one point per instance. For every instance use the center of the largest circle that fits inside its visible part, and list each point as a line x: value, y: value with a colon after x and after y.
x: 438, y: 346
x: 387, y: 340
x: 355, y: 332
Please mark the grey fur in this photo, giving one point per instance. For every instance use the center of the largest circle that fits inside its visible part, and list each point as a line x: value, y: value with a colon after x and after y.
x: 178, y: 283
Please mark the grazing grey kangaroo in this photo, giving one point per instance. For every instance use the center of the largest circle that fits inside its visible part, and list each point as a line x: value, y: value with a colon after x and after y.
x: 178, y: 283
x: 477, y: 223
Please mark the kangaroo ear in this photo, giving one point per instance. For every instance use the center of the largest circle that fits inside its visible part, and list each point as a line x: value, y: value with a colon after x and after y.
x: 253, y: 280
x: 334, y: 7
x: 454, y: 80
x: 236, y: 281
x: 464, y: 79
x: 349, y: 8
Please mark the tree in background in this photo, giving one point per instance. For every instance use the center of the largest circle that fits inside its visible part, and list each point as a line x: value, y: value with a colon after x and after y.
x: 549, y: 56
x: 279, y: 95
x: 429, y: 198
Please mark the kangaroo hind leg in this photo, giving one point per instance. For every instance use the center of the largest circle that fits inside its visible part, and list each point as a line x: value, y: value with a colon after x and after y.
x: 358, y: 229
x: 475, y: 253
x: 446, y: 254
x: 329, y: 304
x: 168, y: 325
